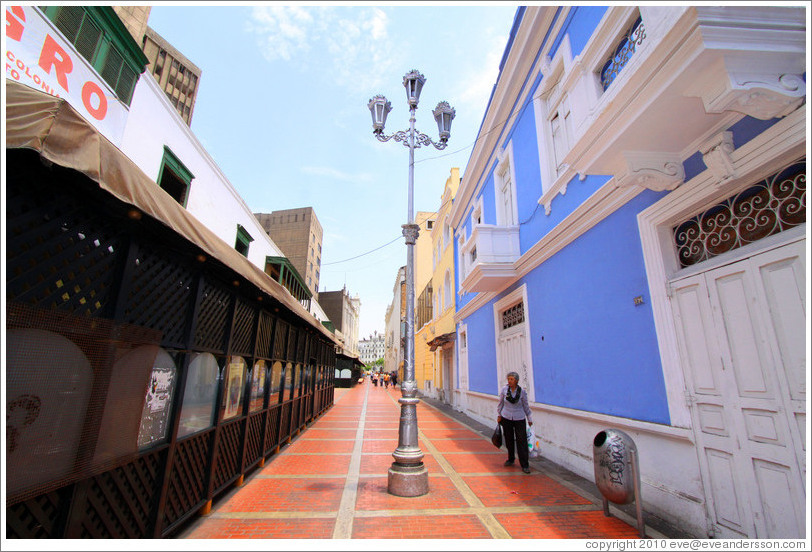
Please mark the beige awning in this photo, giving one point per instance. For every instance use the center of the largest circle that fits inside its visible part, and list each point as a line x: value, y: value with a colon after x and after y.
x: 49, y: 125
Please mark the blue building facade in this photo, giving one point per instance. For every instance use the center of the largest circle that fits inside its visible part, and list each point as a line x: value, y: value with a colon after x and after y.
x: 608, y: 250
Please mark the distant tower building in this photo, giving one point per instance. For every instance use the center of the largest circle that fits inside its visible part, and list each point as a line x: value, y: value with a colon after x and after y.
x: 178, y: 76
x: 372, y: 348
x: 298, y: 234
x: 135, y: 19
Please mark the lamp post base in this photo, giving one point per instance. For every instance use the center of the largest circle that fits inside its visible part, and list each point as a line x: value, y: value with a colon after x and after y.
x: 410, y: 480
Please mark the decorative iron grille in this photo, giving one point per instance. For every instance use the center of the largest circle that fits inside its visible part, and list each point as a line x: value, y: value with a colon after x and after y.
x: 623, y: 53
x: 513, y: 315
x: 776, y: 204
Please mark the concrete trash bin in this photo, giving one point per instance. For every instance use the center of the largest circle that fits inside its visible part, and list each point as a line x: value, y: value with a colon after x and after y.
x: 617, y: 473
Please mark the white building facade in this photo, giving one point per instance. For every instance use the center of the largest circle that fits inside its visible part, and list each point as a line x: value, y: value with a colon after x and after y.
x: 372, y: 348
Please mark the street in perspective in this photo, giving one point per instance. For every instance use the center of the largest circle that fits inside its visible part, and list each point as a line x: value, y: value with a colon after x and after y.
x: 406, y: 274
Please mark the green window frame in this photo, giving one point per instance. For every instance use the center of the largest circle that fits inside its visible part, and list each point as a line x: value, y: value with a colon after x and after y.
x: 174, y: 177
x: 102, y: 39
x: 244, y: 240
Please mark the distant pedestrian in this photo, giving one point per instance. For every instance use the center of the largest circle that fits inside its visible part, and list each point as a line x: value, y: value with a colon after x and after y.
x: 386, y: 380
x: 511, y: 411
x: 375, y: 379
x: 394, y: 379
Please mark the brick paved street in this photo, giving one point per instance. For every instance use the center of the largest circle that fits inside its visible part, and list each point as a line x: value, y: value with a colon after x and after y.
x: 331, y: 483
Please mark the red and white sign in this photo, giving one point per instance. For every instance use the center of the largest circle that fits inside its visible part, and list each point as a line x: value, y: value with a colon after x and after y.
x: 38, y: 56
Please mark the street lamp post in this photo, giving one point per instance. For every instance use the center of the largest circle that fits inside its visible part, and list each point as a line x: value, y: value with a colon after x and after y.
x: 407, y: 474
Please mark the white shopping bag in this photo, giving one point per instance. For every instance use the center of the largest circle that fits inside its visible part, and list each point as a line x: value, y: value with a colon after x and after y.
x: 532, y: 443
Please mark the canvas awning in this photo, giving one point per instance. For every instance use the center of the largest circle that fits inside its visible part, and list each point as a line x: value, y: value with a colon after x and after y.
x: 441, y: 340
x: 50, y: 126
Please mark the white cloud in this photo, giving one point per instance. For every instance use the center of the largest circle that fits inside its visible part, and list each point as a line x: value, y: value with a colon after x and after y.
x: 352, y: 43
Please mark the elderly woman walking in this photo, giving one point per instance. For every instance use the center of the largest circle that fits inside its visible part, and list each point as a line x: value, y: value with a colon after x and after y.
x: 511, y: 412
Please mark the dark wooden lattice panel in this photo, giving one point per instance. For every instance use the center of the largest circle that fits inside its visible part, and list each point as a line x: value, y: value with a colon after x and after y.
x: 294, y: 414
x: 119, y: 501
x: 301, y: 348
x: 188, y: 477
x: 284, y: 423
x: 160, y: 296
x: 227, y: 459
x: 280, y: 340
x: 254, y: 437
x: 242, y: 337
x: 264, y: 335
x: 61, y: 251
x: 41, y: 517
x: 272, y: 434
x: 212, y: 318
x: 293, y: 336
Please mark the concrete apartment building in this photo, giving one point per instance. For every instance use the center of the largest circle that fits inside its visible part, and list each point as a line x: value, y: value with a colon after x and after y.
x: 343, y: 311
x: 173, y: 71
x: 298, y: 233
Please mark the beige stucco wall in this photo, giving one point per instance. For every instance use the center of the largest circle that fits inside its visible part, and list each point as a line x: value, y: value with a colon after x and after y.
x: 428, y: 366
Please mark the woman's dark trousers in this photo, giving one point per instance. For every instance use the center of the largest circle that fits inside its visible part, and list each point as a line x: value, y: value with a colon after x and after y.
x: 515, y: 432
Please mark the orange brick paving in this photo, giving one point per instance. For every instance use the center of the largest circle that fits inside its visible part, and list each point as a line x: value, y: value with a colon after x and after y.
x: 319, y: 487
x: 521, y: 490
x: 478, y: 463
x: 414, y: 527
x: 372, y: 495
x: 264, y: 529
x: 281, y: 495
x: 565, y: 525
x: 295, y: 464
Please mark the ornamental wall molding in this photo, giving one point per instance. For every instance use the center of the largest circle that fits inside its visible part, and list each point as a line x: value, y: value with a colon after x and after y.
x: 656, y: 171
x: 716, y: 155
x: 760, y: 95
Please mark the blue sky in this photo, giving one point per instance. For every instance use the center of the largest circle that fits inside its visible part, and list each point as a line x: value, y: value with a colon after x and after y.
x: 282, y: 109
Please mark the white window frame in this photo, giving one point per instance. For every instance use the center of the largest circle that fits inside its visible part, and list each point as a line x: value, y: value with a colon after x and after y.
x: 461, y: 264
x: 462, y: 356
x: 504, y: 176
x: 514, y: 297
x: 477, y: 214
x: 550, y: 101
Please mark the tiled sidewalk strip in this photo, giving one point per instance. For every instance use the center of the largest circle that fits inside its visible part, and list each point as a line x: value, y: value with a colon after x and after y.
x: 331, y: 483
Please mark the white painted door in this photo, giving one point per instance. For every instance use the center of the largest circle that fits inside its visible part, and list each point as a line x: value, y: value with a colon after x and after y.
x: 512, y: 357
x: 741, y: 329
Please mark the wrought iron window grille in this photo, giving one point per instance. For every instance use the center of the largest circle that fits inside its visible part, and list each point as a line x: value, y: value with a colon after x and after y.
x: 773, y: 205
x: 623, y: 53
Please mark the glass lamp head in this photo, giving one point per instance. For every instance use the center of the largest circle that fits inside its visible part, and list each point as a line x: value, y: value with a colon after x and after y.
x: 379, y: 107
x: 444, y: 114
x: 413, y: 83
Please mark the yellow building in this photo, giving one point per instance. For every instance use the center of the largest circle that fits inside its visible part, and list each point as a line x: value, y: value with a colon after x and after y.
x: 434, y: 305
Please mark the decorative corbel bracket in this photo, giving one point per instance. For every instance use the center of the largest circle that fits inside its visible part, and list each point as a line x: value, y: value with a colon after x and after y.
x: 761, y: 96
x: 653, y: 170
x: 716, y: 155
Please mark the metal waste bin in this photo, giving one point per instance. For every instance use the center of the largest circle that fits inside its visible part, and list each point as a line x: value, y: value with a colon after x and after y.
x: 617, y: 472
